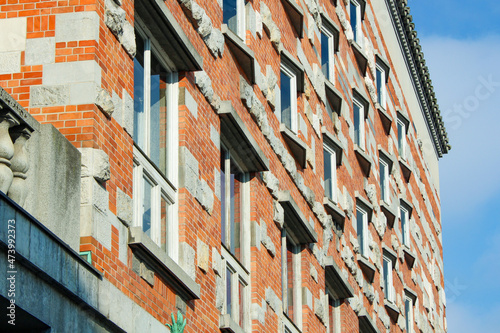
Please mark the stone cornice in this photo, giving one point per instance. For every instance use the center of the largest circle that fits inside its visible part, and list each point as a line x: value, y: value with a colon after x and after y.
x: 405, y: 28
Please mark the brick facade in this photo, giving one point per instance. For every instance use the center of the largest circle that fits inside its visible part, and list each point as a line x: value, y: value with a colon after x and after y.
x: 71, y: 64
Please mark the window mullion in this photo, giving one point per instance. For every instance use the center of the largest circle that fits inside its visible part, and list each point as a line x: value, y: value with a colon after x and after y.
x: 147, y: 93
x: 227, y: 222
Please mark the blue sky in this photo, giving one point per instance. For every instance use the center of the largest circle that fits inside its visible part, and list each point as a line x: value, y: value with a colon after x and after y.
x: 461, y: 43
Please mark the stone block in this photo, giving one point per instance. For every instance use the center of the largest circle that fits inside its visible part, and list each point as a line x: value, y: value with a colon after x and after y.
x: 274, y: 301
x: 216, y: 262
x: 41, y: 96
x: 215, y: 136
x: 307, y: 297
x: 95, y: 163
x: 205, y: 196
x: 105, y: 103
x: 77, y: 26
x: 40, y: 51
x: 72, y: 72
x: 10, y: 62
x: 185, y: 98
x: 128, y: 113
x: 83, y: 93
x: 124, y: 207
x: 13, y: 36
x: 278, y: 214
x: 188, y: 170
x: 93, y: 193
x: 186, y: 259
x: 202, y: 255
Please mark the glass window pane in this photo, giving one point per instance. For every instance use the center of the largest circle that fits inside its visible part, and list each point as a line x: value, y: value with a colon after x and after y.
x: 223, y: 197
x: 286, y: 107
x: 360, y: 226
x: 158, y: 114
x: 236, y: 188
x: 379, y: 87
x: 408, y: 315
x: 146, y: 205
x: 325, y: 56
x: 139, y: 118
x: 163, y: 224
x: 357, y: 129
x: 400, y: 138
x: 229, y: 276
x: 404, y: 231
x: 328, y: 173
x: 229, y: 15
x: 383, y: 170
x: 354, y: 19
x: 232, y: 212
x: 386, y: 278
x: 290, y: 278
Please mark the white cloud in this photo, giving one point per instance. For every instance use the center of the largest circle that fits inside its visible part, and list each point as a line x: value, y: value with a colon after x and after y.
x: 466, y: 78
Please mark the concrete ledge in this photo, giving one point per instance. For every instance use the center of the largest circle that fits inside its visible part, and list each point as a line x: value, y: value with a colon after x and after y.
x: 392, y: 310
x: 364, y: 160
x: 360, y: 56
x: 242, y: 53
x: 296, y: 15
x: 367, y: 267
x: 405, y: 169
x: 297, y: 147
x: 295, y: 221
x: 335, y: 280
x: 162, y: 264
x: 238, y: 139
x: 385, y: 118
x: 410, y: 257
x: 169, y: 35
x: 228, y: 325
x: 334, y: 97
x: 333, y: 209
x: 366, y: 323
x: 389, y: 213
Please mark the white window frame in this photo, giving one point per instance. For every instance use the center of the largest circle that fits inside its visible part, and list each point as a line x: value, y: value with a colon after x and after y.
x: 297, y: 282
x: 164, y: 185
x: 336, y: 313
x: 402, y: 139
x: 363, y: 243
x: 331, y: 53
x: 240, y: 274
x: 409, y: 313
x: 293, y: 97
x: 361, y: 124
x: 241, y: 19
x: 333, y: 172
x: 405, y: 225
x: 388, y: 279
x: 357, y: 30
x: 384, y: 183
x: 382, y: 88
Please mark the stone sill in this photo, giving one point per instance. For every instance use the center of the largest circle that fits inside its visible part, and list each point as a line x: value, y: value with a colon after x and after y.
x: 228, y: 325
x: 367, y: 267
x: 333, y: 209
x: 360, y: 56
x: 336, y: 281
x: 392, y: 310
x: 295, y: 221
x: 385, y: 118
x: 364, y: 160
x: 241, y: 52
x: 297, y: 147
x: 162, y: 263
x: 296, y: 15
x: 410, y: 257
x: 334, y: 96
x: 405, y: 169
x: 389, y: 213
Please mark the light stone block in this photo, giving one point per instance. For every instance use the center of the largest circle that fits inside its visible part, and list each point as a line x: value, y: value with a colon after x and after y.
x: 40, y: 51
x: 13, y: 34
x: 202, y: 256
x: 77, y: 26
x: 124, y: 207
x: 95, y: 163
x: 83, y: 93
x: 10, y: 62
x: 41, y: 96
x: 72, y: 72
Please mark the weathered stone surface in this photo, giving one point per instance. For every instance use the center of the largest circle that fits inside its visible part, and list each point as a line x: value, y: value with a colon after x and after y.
x: 124, y: 207
x: 371, y: 88
x: 319, y: 308
x: 216, y: 262
x: 314, y: 273
x: 92, y: 193
x: 40, y: 51
x: 63, y: 73
x: 272, y: 183
x: 272, y: 28
x: 266, y: 240
x: 115, y: 19
x: 13, y: 36
x: 41, y: 96
x: 202, y: 255
x: 278, y: 214
x: 95, y: 163
x: 186, y: 259
x: 205, y: 196
x: 259, y: 312
x: 188, y: 170
x: 105, y: 103
x: 10, y: 62
x: 219, y: 293
x: 76, y: 26
x: 345, y: 24
x: 274, y: 301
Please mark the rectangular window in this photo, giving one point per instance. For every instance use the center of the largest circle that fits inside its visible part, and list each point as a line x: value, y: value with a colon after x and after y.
x: 359, y: 124
x: 290, y: 254
x: 233, y: 14
x: 237, y: 292
x: 288, y: 100
x: 327, y: 54
x: 381, y: 86
x: 156, y: 141
x: 409, y: 314
x: 333, y: 313
x: 405, y: 228
x: 401, y: 138
x: 388, y: 284
x: 384, y: 180
x: 362, y: 230
x: 355, y: 18
x: 232, y: 180
x: 330, y: 170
